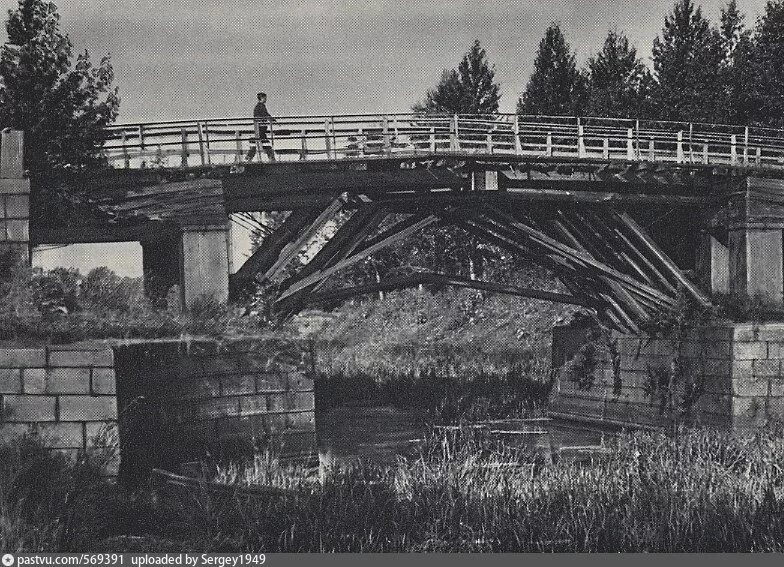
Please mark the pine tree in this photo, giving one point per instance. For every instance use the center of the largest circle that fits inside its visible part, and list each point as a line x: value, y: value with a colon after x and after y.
x: 469, y: 89
x: 556, y: 87
x: 686, y: 61
x: 735, y: 78
x: 61, y: 107
x: 617, y: 80
x: 767, y: 65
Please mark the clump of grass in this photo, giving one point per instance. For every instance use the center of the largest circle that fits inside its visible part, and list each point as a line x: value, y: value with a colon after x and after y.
x: 700, y: 491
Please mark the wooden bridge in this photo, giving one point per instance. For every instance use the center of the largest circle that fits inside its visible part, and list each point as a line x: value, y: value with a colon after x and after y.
x: 626, y: 213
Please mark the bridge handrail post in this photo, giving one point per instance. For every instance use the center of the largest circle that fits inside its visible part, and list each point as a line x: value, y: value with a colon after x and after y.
x: 606, y: 147
x: 705, y: 154
x: 580, y: 140
x: 630, y: 155
x: 549, y: 144
x: 206, y: 128
x: 385, y: 131
x: 637, y: 138
x: 200, y: 136
x: 327, y: 138
x: 651, y: 149
x: 303, y: 152
x: 454, y: 134
x: 746, y: 146
x: 734, y: 149
x: 517, y: 145
x: 184, y: 150
x: 126, y: 156
x: 679, y: 157
x: 691, y: 147
x: 433, y: 139
x: 238, y: 142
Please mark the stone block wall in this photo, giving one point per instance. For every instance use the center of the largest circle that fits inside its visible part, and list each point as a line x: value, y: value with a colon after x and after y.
x: 180, y: 400
x: 738, y: 367
x: 65, y: 395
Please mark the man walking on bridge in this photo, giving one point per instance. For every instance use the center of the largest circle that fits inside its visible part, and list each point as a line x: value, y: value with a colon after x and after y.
x: 261, y: 119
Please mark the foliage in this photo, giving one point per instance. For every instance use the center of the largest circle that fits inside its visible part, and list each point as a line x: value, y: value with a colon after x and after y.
x: 767, y: 60
x: 469, y: 89
x: 556, y: 87
x: 61, y: 107
x: 61, y: 305
x: 618, y: 81
x: 686, y: 60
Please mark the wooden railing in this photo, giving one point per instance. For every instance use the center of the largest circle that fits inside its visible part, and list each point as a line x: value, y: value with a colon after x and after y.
x: 225, y: 141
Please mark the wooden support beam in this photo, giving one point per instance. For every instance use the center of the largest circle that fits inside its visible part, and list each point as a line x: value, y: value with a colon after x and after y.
x: 292, y: 248
x: 576, y: 255
x: 270, y: 250
x: 663, y: 259
x: 340, y: 246
x: 443, y: 279
x: 400, y: 231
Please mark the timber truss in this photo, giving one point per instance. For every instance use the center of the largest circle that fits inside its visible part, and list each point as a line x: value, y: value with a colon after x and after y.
x: 601, y: 254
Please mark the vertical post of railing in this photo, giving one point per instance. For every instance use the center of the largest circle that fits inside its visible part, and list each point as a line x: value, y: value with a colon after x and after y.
x: 334, y: 140
x: 705, y: 154
x: 327, y: 138
x: 238, y: 144
x: 630, y: 156
x: 141, y: 137
x: 271, y: 141
x: 184, y: 150
x: 126, y: 156
x: 361, y: 141
x: 303, y: 152
x: 651, y: 150
x: 679, y: 147
x: 606, y: 148
x: 206, y: 128
x: 433, y: 139
x: 489, y: 142
x: 691, y: 147
x: 734, y: 149
x: 637, y: 138
x: 549, y: 144
x: 200, y: 136
x: 518, y: 147
x: 387, y: 140
x: 580, y: 140
x: 758, y: 160
x: 746, y: 146
x: 454, y: 135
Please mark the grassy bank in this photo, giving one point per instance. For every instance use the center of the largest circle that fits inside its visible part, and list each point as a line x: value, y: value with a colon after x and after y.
x: 698, y: 491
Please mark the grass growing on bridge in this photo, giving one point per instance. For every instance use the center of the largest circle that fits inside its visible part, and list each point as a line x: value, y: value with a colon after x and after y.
x: 698, y: 491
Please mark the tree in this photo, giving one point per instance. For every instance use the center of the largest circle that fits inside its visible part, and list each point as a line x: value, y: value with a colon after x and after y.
x: 62, y: 108
x: 686, y: 61
x: 617, y: 80
x: 767, y: 64
x: 556, y: 87
x: 469, y: 89
x: 735, y: 77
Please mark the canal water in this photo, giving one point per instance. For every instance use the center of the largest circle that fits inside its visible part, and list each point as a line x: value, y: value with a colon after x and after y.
x: 380, y: 434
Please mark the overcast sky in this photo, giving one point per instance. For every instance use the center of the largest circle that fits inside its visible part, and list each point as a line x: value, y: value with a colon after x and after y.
x: 180, y: 59
x: 207, y: 58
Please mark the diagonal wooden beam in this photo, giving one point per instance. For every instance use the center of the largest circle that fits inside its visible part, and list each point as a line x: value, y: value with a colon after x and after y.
x: 400, y: 231
x: 670, y: 266
x: 295, y: 246
x: 576, y: 255
x: 272, y: 246
x: 345, y: 240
